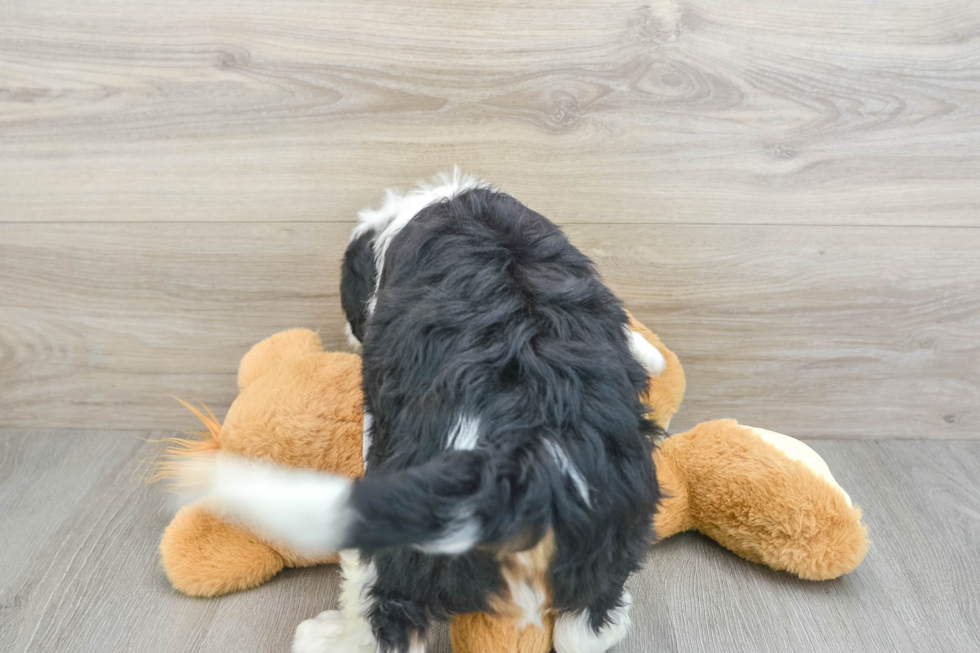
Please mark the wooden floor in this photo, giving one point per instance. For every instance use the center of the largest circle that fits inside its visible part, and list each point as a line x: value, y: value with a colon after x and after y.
x: 79, y: 569
x: 787, y: 191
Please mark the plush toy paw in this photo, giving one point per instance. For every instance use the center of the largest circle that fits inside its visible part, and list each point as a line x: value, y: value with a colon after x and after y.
x: 766, y: 496
x: 332, y: 632
x: 204, y: 555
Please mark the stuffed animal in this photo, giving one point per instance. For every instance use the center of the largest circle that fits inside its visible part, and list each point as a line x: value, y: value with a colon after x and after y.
x: 765, y: 496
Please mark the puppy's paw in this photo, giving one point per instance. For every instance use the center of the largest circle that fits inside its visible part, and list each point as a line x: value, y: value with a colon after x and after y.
x: 331, y: 632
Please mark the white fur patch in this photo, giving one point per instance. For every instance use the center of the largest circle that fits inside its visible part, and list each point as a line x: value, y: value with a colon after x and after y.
x: 398, y: 210
x: 796, y: 450
x: 359, y: 578
x: 568, y: 468
x: 345, y: 630
x: 366, y: 437
x: 573, y: 634
x: 649, y: 356
x: 351, y: 338
x: 378, y: 219
x: 529, y: 599
x: 462, y: 534
x: 307, y: 510
x: 464, y: 434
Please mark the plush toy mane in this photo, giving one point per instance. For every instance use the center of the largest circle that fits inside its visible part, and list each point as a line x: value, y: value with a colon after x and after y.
x: 182, y: 448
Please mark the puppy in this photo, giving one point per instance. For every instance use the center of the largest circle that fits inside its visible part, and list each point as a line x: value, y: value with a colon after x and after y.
x: 508, y: 460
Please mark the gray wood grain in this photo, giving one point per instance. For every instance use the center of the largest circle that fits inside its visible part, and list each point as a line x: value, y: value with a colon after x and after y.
x: 915, y: 591
x: 597, y: 110
x: 79, y: 568
x: 812, y: 331
x: 84, y: 574
x: 787, y: 195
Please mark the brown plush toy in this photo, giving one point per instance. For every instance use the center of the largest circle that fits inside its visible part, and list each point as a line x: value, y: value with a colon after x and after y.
x: 298, y: 406
x: 765, y: 496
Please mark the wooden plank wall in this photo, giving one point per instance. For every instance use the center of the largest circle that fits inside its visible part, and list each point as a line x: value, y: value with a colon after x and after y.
x: 788, y: 192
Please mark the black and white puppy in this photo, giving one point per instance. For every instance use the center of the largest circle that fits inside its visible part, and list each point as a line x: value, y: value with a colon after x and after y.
x: 509, y: 467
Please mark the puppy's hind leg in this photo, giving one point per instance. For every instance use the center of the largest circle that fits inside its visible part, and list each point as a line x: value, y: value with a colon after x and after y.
x: 369, y: 620
x: 346, y: 630
x: 398, y: 623
x: 596, y: 629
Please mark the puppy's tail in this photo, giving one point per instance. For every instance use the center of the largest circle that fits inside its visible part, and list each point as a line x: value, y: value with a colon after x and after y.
x: 445, y: 506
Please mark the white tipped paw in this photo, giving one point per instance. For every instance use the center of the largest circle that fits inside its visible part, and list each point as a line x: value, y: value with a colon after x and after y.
x: 331, y: 632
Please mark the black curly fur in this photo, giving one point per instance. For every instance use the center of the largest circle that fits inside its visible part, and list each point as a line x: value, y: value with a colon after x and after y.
x: 485, y: 310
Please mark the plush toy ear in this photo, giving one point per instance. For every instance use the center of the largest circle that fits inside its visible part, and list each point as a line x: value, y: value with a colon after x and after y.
x: 665, y: 391
x: 275, y: 350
